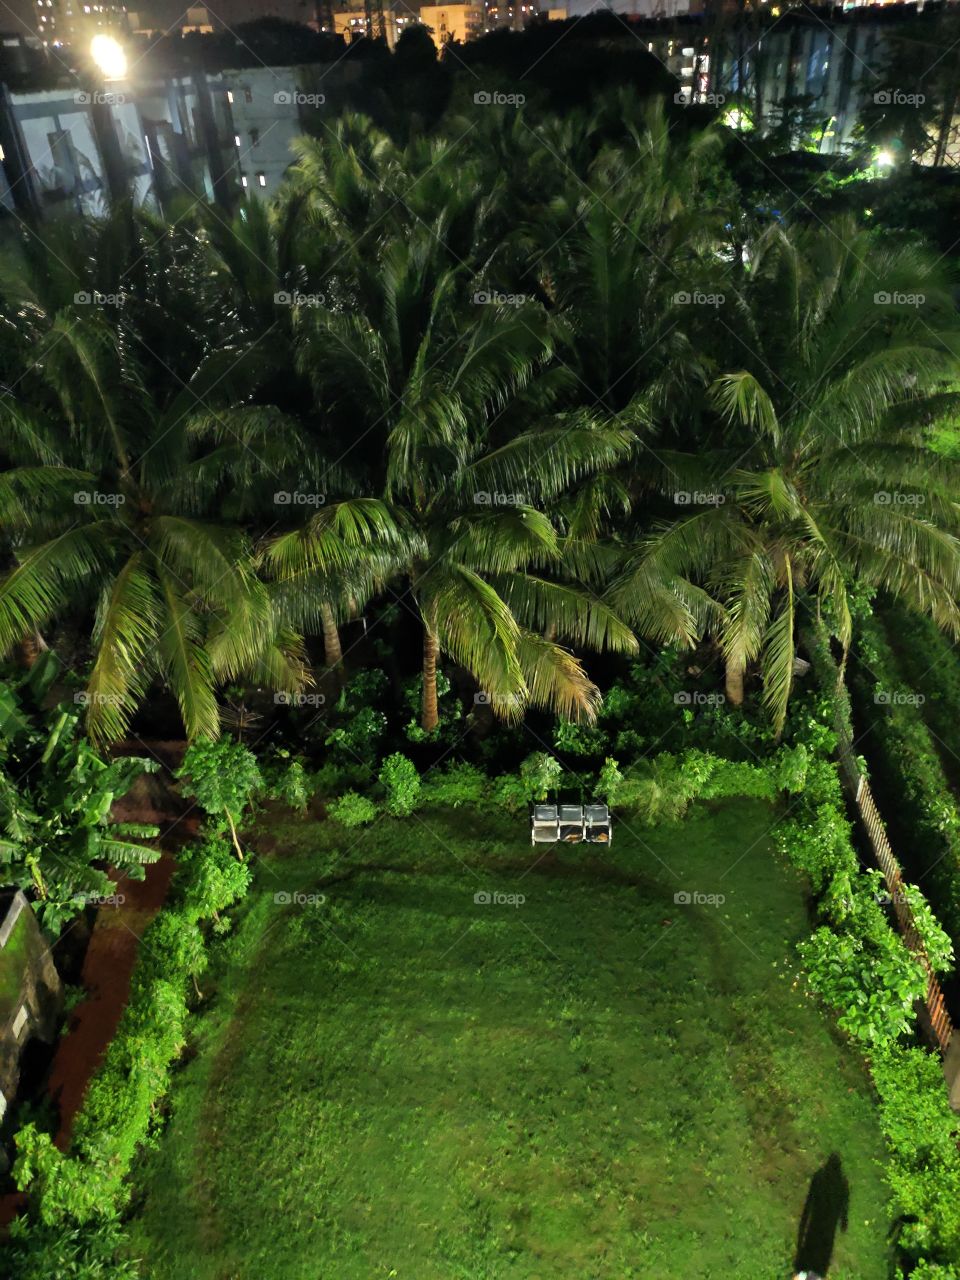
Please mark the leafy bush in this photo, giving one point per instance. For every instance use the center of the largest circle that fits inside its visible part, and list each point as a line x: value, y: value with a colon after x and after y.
x: 609, y: 781
x: 510, y: 793
x: 286, y: 779
x: 911, y: 774
x: 56, y: 836
x: 457, y: 785
x: 867, y: 973
x: 400, y: 779
x: 364, y: 689
x: 579, y: 739
x: 216, y: 879
x: 359, y: 738
x: 225, y: 777
x: 67, y: 1252
x: 352, y: 810
x: 817, y: 840
x: 330, y: 779
x: 540, y: 773
x: 936, y: 941
x: 923, y: 1134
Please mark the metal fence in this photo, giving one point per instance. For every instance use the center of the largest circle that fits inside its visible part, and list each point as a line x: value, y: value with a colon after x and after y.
x: 937, y: 1018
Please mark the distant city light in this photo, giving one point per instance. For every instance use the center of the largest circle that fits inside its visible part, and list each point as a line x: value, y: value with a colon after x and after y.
x: 109, y: 56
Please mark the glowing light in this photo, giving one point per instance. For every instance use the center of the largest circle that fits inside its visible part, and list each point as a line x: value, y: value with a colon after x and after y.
x: 737, y: 118
x: 883, y: 159
x: 109, y: 56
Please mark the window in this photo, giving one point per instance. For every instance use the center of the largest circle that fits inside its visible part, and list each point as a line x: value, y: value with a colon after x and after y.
x: 236, y: 139
x: 230, y: 95
x: 248, y: 95
x: 262, y: 179
x: 61, y: 153
x: 254, y: 137
x: 243, y: 179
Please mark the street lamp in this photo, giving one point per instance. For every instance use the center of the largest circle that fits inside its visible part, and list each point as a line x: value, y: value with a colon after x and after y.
x: 883, y: 159
x: 110, y: 59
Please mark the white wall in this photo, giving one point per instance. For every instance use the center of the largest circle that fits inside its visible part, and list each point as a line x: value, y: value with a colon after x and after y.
x: 267, y: 106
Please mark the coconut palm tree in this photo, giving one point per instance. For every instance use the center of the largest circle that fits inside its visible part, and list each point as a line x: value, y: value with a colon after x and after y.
x: 429, y: 382
x: 839, y: 353
x: 104, y: 510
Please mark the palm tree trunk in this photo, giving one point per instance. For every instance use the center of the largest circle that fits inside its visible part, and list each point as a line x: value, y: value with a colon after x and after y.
x: 31, y: 646
x: 332, y: 652
x: 430, y: 716
x: 733, y: 675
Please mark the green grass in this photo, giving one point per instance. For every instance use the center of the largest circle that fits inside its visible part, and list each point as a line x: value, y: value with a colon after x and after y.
x: 598, y: 1083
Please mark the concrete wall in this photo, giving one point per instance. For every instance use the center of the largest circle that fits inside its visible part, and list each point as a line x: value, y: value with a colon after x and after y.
x: 267, y: 105
x: 32, y: 986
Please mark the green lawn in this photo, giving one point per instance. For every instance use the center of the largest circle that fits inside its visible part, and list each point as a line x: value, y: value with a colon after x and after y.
x: 597, y: 1083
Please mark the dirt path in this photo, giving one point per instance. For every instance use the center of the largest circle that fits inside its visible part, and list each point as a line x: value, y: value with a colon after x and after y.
x: 115, y: 942
x: 107, y: 967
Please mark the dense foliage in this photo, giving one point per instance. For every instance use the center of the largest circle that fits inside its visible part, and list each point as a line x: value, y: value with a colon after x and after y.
x: 57, y: 839
x: 602, y: 406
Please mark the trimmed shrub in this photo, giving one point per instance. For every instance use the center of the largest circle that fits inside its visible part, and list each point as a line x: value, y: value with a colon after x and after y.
x: 352, y: 810
x: 457, y: 785
x: 400, y: 780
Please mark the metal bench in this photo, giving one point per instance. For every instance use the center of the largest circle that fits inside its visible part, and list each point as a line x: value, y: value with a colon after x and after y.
x: 571, y: 823
x: 545, y: 824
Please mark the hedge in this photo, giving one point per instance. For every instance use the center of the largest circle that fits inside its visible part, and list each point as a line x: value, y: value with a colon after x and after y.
x: 921, y: 803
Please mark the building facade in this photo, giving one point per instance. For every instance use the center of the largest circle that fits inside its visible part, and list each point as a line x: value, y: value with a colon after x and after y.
x: 268, y: 107
x: 460, y: 22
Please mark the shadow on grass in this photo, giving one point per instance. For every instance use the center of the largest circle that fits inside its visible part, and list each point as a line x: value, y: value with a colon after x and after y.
x: 826, y: 1209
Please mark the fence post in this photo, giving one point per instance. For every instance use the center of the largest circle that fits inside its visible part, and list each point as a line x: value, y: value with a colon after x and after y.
x: 951, y: 1069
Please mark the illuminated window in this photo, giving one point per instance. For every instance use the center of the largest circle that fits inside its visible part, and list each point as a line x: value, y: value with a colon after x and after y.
x: 243, y: 179
x: 262, y: 179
